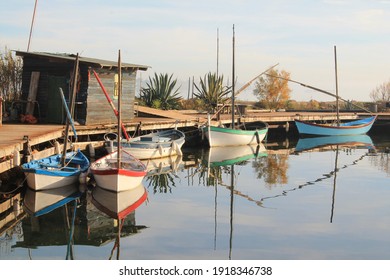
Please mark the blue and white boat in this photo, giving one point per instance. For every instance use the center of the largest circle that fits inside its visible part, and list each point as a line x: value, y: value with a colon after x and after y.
x: 50, y: 173
x: 361, y: 126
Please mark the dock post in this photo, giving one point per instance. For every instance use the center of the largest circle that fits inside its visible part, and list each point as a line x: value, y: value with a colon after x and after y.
x: 26, y: 149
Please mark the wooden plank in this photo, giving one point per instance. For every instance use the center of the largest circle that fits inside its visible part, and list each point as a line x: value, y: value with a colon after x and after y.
x: 32, y: 93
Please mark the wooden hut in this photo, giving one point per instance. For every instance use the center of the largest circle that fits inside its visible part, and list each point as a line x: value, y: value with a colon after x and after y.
x: 45, y: 73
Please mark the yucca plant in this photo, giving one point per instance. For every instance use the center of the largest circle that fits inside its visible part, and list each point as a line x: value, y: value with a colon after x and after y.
x: 211, y: 90
x: 160, y: 93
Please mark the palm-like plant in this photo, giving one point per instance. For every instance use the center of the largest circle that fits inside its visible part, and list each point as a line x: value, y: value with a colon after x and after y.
x: 212, y: 91
x: 160, y: 93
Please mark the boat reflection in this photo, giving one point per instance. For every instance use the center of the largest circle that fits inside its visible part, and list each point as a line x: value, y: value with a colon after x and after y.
x: 52, y: 215
x: 118, y: 205
x: 334, y: 144
x: 222, y: 156
x: 121, y: 207
x: 38, y: 203
x: 305, y: 144
x: 222, y: 160
x: 164, y: 165
x: 161, y: 172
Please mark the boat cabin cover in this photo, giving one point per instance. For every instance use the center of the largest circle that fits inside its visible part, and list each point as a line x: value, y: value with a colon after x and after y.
x: 45, y: 73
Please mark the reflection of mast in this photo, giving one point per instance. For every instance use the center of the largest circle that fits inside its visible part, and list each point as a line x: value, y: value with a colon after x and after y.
x: 334, y: 183
x: 69, y: 250
x: 215, y: 214
x: 117, y: 240
x: 231, y: 211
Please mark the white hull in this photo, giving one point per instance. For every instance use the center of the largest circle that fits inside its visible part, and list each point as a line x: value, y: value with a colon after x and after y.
x: 146, y: 153
x: 107, y: 175
x: 39, y: 182
x: 219, y: 137
x: 154, y: 145
x: 117, y: 182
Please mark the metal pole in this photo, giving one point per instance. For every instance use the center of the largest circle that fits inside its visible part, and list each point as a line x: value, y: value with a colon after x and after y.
x: 32, y: 24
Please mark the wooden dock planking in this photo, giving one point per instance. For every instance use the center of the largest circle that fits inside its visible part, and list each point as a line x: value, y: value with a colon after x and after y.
x: 11, y: 136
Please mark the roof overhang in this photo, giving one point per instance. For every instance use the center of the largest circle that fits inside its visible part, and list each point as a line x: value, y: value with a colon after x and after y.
x: 93, y: 62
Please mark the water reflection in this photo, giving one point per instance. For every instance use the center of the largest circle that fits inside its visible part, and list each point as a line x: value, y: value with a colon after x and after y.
x: 121, y: 207
x: 311, y: 143
x: 51, y: 218
x: 222, y: 160
x: 237, y: 192
x: 67, y: 217
x: 162, y: 172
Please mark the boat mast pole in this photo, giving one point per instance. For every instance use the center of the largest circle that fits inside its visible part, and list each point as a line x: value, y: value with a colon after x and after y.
x: 233, y: 80
x: 337, y: 88
x: 32, y: 25
x: 217, y: 51
x: 69, y: 119
x: 119, y: 109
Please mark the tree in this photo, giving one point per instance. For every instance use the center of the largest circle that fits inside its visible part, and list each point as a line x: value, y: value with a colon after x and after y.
x: 211, y: 90
x: 381, y: 93
x: 160, y: 93
x: 10, y: 76
x: 272, y: 91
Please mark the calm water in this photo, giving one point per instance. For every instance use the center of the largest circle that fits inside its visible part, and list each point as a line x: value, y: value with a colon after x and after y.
x: 328, y: 203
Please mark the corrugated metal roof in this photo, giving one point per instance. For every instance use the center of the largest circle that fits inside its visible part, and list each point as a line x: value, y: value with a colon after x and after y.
x: 91, y: 61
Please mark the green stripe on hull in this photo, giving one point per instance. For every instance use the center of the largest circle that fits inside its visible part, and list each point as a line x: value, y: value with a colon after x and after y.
x: 236, y: 131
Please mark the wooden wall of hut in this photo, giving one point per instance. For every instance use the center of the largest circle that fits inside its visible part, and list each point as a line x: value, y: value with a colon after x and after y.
x: 99, y: 110
x: 53, y: 74
x: 91, y: 106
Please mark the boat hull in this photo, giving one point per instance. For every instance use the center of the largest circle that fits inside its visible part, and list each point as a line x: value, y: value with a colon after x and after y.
x: 351, y: 128
x: 47, y: 173
x: 109, y: 177
x: 221, y: 136
x: 153, y: 145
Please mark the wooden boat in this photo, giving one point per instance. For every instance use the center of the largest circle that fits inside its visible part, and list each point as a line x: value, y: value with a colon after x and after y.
x: 224, y: 136
x: 356, y: 127
x: 119, y: 205
x: 361, y: 126
x: 119, y: 170
x: 108, y: 176
x: 38, y: 203
x: 50, y: 173
x: 306, y: 144
x: 159, y: 144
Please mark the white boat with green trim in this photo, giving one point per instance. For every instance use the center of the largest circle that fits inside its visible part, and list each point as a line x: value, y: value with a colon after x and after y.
x: 224, y: 136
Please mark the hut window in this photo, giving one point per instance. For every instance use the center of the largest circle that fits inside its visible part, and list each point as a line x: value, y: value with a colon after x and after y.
x: 116, y: 86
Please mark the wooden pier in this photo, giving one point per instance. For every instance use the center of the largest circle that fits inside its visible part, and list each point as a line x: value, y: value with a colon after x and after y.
x: 17, y: 140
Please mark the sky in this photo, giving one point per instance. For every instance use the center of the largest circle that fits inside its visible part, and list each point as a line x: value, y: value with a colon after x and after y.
x: 180, y: 38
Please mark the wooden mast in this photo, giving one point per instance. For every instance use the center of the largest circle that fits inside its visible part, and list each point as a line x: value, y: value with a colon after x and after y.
x: 337, y: 90
x: 69, y: 120
x: 233, y: 80
x: 119, y: 109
